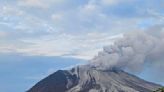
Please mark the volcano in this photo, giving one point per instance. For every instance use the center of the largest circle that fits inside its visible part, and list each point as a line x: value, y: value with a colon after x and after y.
x: 90, y: 79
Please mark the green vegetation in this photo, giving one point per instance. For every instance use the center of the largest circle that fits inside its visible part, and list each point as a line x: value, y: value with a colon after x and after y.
x: 159, y: 90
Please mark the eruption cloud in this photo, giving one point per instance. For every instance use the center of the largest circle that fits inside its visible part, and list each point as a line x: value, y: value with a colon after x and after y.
x: 132, y: 52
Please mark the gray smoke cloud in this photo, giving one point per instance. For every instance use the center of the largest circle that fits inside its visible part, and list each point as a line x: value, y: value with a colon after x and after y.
x: 133, y: 51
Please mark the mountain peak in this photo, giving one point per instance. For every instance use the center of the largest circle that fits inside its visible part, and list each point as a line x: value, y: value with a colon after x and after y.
x: 90, y: 79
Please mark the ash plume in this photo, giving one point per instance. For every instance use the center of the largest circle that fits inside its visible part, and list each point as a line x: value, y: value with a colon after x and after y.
x: 132, y: 52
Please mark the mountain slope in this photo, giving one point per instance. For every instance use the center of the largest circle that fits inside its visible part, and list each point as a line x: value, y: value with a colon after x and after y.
x: 89, y: 79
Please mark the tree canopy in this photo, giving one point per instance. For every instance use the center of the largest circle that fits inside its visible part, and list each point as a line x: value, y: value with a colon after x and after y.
x: 160, y: 90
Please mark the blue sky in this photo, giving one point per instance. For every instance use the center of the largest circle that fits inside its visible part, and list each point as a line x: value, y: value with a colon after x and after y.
x: 38, y: 36
x: 19, y: 73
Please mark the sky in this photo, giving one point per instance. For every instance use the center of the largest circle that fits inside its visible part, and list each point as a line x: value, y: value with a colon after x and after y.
x: 38, y: 37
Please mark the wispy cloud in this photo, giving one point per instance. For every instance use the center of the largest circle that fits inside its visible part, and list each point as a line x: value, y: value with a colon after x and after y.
x: 65, y: 45
x: 114, y: 2
x: 62, y: 28
x: 3, y: 34
x: 40, y: 3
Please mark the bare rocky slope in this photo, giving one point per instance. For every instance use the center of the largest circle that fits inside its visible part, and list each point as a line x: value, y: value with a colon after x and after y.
x: 90, y: 79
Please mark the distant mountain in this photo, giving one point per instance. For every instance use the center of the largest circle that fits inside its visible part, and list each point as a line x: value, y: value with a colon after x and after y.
x: 90, y: 79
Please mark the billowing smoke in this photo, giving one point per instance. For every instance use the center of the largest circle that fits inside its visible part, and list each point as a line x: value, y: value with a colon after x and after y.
x: 132, y: 52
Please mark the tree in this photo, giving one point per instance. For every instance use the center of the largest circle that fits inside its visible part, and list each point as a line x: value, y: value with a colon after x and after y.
x: 160, y: 90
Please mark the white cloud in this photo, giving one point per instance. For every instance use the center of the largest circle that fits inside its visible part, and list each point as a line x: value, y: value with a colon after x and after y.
x: 114, y: 2
x: 40, y: 3
x: 9, y: 10
x: 92, y: 17
x: 87, y: 18
x: 37, y: 3
x: 89, y: 8
x: 57, y: 17
x: 155, y: 14
x: 66, y: 45
x: 18, y: 21
x: 3, y: 34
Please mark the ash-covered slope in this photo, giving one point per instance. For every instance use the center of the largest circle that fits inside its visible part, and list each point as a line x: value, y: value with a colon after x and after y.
x: 89, y: 79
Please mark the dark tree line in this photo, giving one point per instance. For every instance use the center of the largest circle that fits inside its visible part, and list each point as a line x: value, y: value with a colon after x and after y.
x: 159, y: 90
